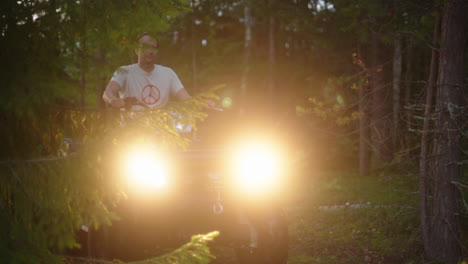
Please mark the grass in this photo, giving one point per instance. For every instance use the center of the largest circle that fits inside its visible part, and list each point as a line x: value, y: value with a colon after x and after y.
x: 339, y: 217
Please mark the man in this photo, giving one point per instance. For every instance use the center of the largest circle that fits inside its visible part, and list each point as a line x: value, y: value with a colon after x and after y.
x: 150, y: 83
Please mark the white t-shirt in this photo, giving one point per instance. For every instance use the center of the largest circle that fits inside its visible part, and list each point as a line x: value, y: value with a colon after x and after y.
x: 151, y: 88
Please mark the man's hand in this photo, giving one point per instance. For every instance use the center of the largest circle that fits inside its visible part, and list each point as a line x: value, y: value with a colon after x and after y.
x: 211, y: 103
x: 117, y: 103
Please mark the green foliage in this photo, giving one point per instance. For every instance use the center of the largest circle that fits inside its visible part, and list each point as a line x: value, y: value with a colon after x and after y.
x: 333, y: 106
x: 333, y: 116
x: 194, y: 252
x: 45, y: 200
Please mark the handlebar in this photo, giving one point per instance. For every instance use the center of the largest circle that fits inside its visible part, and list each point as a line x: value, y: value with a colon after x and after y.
x: 215, y: 109
x: 131, y: 101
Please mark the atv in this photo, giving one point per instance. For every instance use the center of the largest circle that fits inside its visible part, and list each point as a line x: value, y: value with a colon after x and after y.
x: 232, y: 187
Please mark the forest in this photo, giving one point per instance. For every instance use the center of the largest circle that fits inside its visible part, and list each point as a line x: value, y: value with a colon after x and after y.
x: 369, y: 97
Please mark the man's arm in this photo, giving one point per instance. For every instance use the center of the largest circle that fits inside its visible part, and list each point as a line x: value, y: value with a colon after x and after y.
x: 110, y: 95
x: 182, y: 94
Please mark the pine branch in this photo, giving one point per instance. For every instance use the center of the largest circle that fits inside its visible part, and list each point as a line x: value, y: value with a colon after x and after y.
x: 194, y: 252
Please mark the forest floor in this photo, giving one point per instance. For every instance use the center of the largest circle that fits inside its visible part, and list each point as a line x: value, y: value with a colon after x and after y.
x: 339, y: 217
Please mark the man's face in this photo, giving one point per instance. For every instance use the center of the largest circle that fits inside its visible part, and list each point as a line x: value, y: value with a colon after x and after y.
x: 147, y: 49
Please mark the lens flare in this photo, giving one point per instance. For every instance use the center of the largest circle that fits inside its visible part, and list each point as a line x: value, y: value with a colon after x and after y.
x: 226, y: 102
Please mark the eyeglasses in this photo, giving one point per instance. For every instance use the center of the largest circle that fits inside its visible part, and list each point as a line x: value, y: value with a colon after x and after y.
x: 147, y: 47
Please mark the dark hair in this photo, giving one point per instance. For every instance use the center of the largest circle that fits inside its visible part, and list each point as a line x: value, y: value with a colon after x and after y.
x: 137, y: 39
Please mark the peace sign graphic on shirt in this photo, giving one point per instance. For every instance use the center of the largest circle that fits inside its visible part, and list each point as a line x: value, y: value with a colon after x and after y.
x: 150, y: 94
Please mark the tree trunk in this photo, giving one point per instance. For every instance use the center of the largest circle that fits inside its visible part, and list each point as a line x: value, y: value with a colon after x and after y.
x: 408, y: 84
x: 247, y: 51
x: 194, y: 52
x: 364, y: 133
x: 271, y: 62
x: 378, y: 116
x: 100, y: 88
x: 423, y: 164
x: 101, y: 80
x: 84, y: 64
x: 83, y: 68
x: 444, y: 236
x: 397, y: 68
x: 364, y: 128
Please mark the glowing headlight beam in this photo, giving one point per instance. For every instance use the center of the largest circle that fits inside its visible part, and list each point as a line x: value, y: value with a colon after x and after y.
x: 145, y: 170
x: 257, y: 167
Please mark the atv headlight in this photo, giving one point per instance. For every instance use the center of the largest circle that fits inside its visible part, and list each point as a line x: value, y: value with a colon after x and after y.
x: 145, y: 170
x: 257, y: 166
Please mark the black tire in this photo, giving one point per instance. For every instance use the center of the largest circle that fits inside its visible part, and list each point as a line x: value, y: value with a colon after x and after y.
x: 272, y: 245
